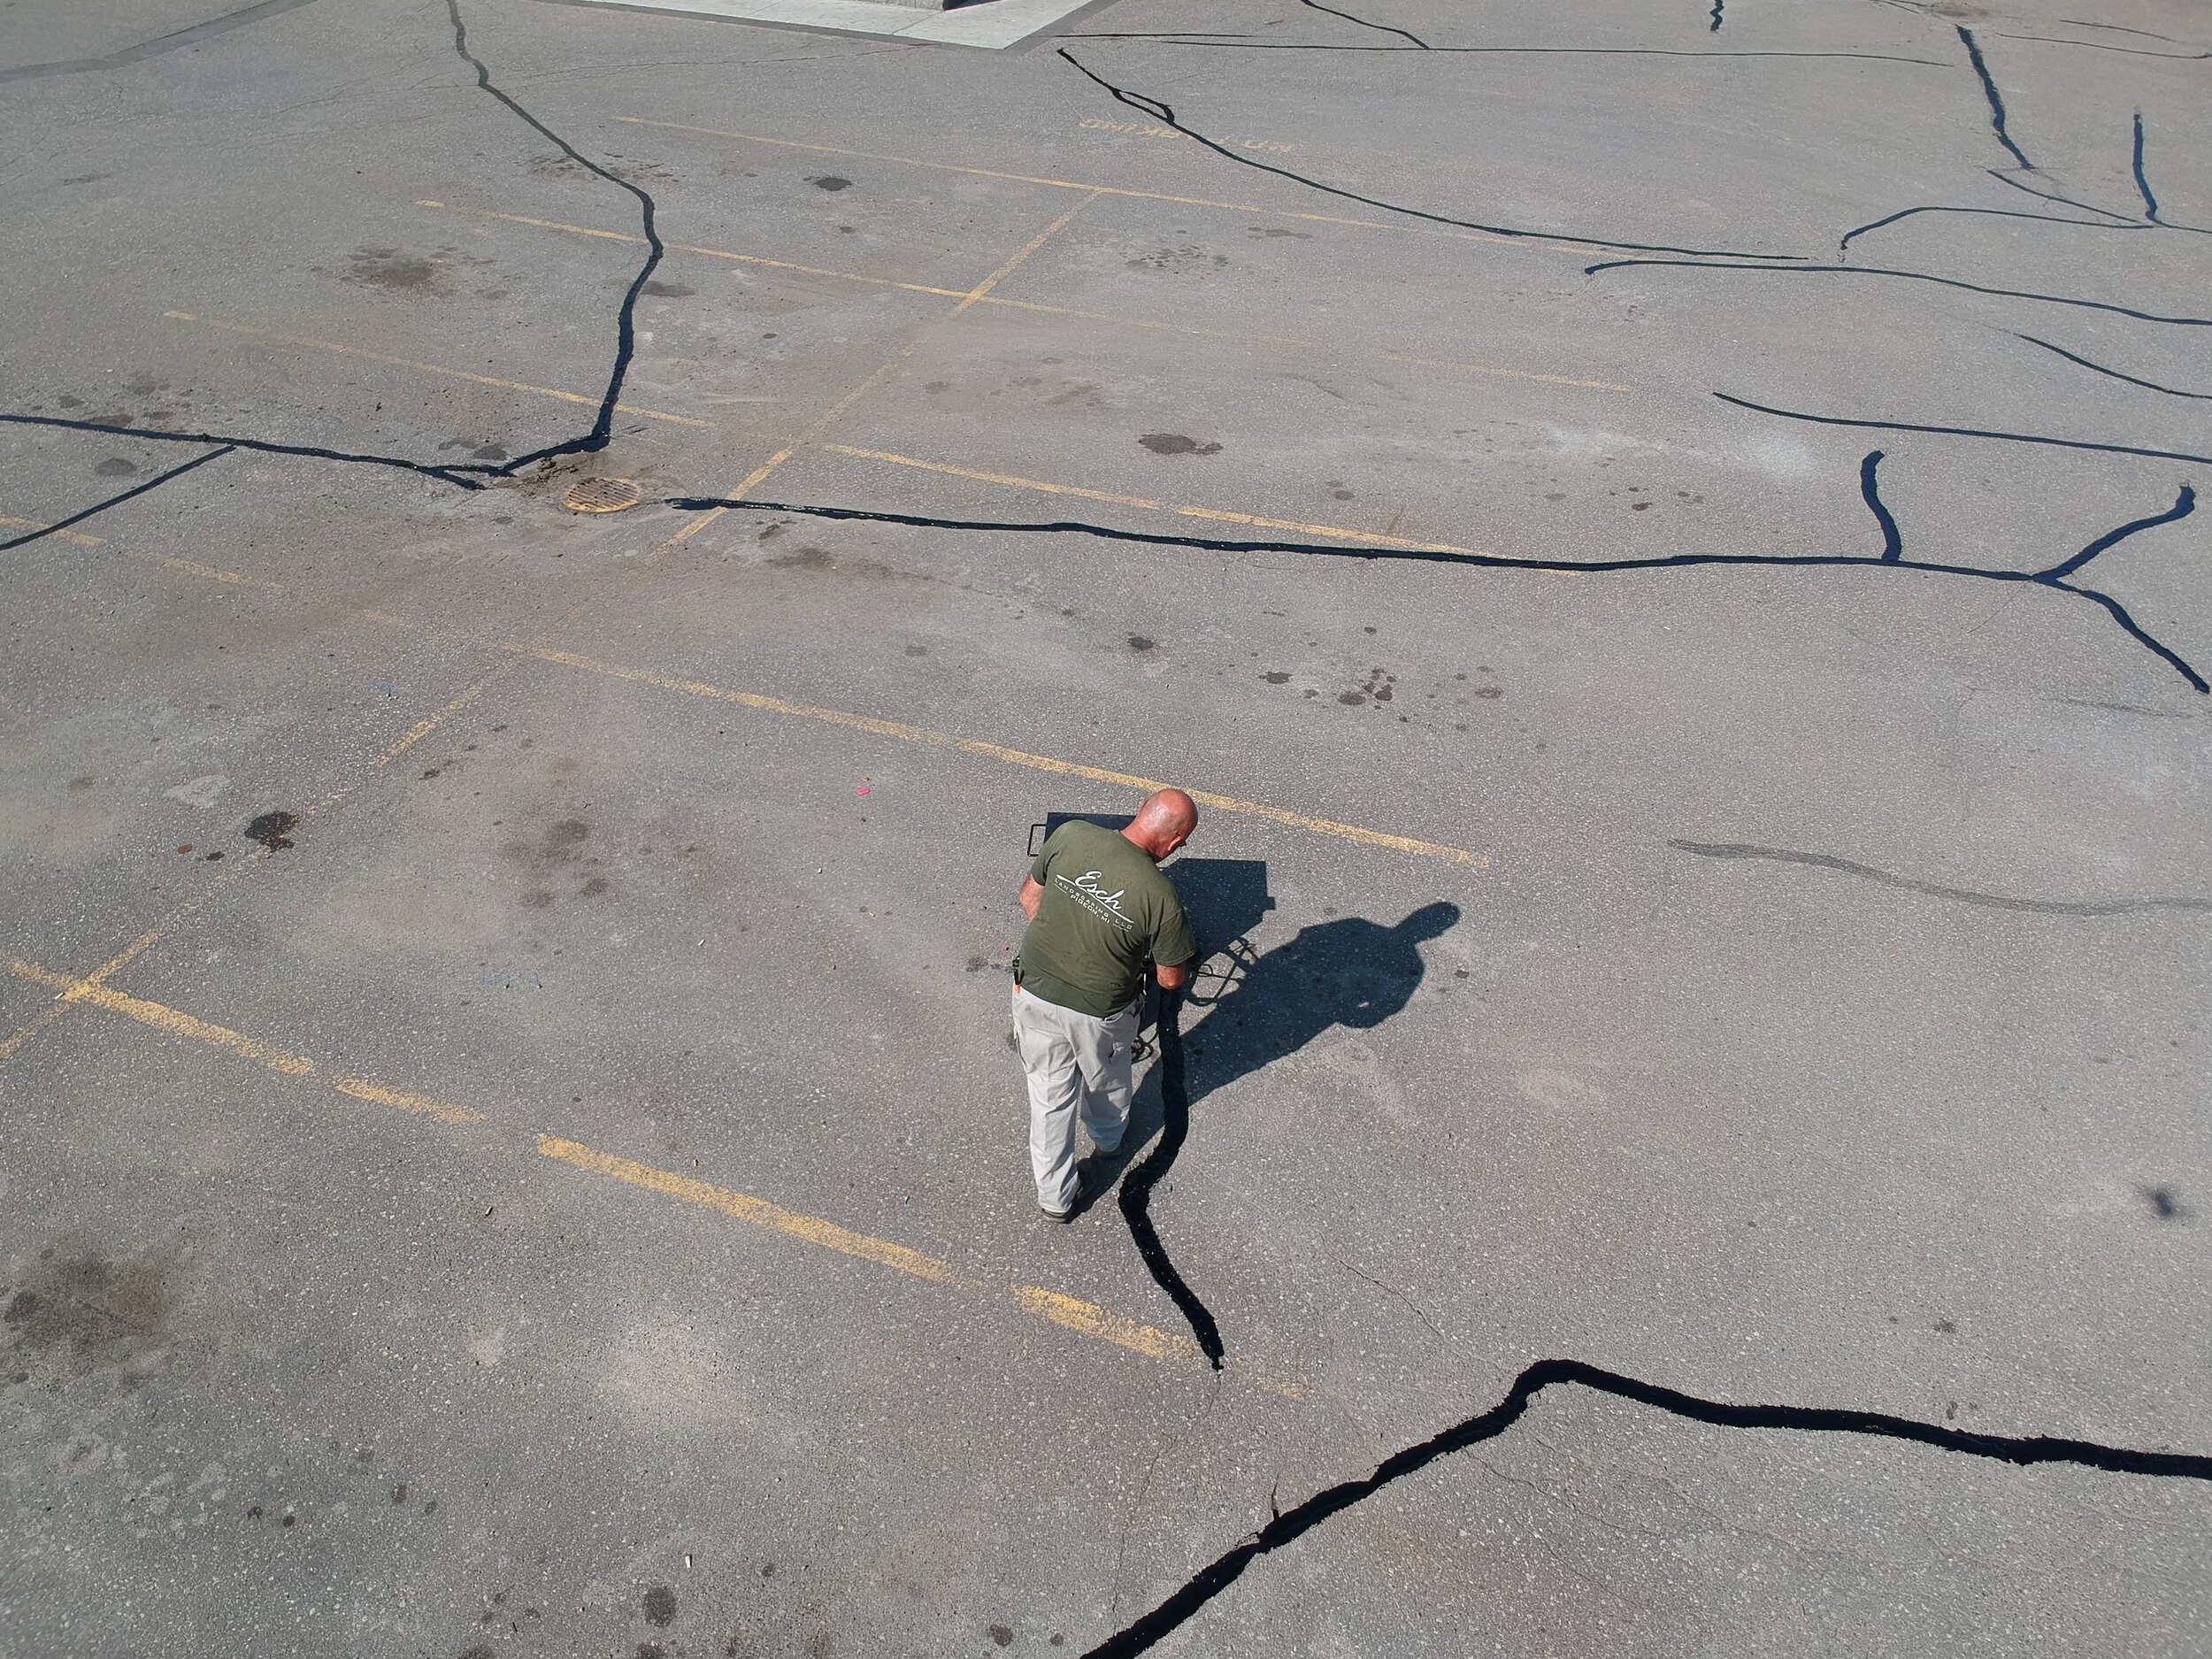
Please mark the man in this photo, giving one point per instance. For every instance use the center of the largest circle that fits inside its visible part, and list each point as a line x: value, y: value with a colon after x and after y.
x: 1098, y: 907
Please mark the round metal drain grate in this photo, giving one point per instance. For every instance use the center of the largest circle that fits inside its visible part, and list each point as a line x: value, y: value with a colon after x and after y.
x: 600, y: 495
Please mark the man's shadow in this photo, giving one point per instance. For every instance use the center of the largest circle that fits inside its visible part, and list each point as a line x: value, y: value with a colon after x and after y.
x: 1243, y: 1011
x: 1350, y: 973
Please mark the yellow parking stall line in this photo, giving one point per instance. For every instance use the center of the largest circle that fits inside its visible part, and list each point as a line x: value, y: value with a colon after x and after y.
x: 1105, y: 189
x: 210, y: 574
x: 759, y: 1211
x: 906, y: 733
x: 162, y: 1017
x: 1241, y: 337
x: 1112, y: 318
x: 1335, y: 531
x: 399, y: 1100
x: 991, y: 478
x: 310, y: 343
x: 711, y: 253
x: 1070, y: 1313
x: 178, y: 1023
x: 1093, y: 1320
x: 59, y: 535
x: 921, y: 337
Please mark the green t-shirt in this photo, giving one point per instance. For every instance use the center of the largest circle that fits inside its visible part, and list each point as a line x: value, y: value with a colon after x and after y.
x: 1106, y: 908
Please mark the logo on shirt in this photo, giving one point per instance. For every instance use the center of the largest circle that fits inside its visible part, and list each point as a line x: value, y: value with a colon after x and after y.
x: 1084, y: 890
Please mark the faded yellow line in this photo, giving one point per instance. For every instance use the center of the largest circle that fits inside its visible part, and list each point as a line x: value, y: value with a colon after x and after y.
x: 426, y: 368
x: 423, y: 728
x: 921, y: 337
x: 711, y: 253
x: 1068, y: 1312
x: 59, y: 535
x: 1105, y: 189
x: 759, y: 1211
x: 210, y: 574
x: 166, y: 1018
x: 1335, y: 531
x: 186, y: 566
x: 1093, y: 1320
x: 1113, y: 318
x: 361, y: 1089
x: 154, y: 935
x: 991, y: 478
x: 178, y: 1023
x: 1307, y: 346
x: 904, y: 733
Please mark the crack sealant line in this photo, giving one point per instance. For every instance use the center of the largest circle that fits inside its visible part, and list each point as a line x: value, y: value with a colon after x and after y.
x: 60, y: 527
x: 1040, y: 307
x: 904, y: 733
x: 1493, y: 561
x: 362, y: 352
x: 1911, y: 276
x: 1105, y: 190
x: 79, y: 537
x: 1287, y: 1526
x: 1335, y: 531
x: 1995, y: 99
x: 1159, y: 111
x: 921, y: 337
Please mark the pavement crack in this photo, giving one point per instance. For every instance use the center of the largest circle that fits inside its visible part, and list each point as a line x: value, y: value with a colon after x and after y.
x: 1995, y: 98
x: 159, y: 44
x: 1315, y: 5
x: 154, y: 483
x: 462, y: 475
x: 2171, y: 391
x: 1911, y: 276
x: 1135, y: 1196
x: 1411, y: 1306
x: 1934, y: 889
x: 2052, y: 578
x: 1157, y: 111
x: 1294, y: 1524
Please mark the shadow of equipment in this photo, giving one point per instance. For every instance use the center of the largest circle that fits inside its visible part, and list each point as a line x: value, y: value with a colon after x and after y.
x: 1349, y: 971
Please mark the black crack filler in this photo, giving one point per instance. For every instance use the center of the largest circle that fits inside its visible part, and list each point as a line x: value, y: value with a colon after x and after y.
x: 461, y: 476
x: 1161, y: 112
x: 1135, y: 1197
x: 1289, y: 1525
x: 1934, y: 889
x: 2054, y: 577
x: 1996, y: 99
x: 102, y: 506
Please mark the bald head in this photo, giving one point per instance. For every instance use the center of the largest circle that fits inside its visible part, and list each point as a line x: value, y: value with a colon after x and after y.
x: 1164, y: 822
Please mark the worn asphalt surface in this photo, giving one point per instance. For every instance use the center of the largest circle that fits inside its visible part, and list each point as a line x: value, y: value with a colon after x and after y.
x: 558, y: 1186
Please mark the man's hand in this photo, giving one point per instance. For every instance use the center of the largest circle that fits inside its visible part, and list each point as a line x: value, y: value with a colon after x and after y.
x: 1172, y: 978
x: 1033, y: 896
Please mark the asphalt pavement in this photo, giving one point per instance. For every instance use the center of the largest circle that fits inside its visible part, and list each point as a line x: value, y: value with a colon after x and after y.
x: 1664, y: 537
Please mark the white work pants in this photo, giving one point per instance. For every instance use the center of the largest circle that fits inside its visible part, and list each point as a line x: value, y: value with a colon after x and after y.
x: 1077, y: 1064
